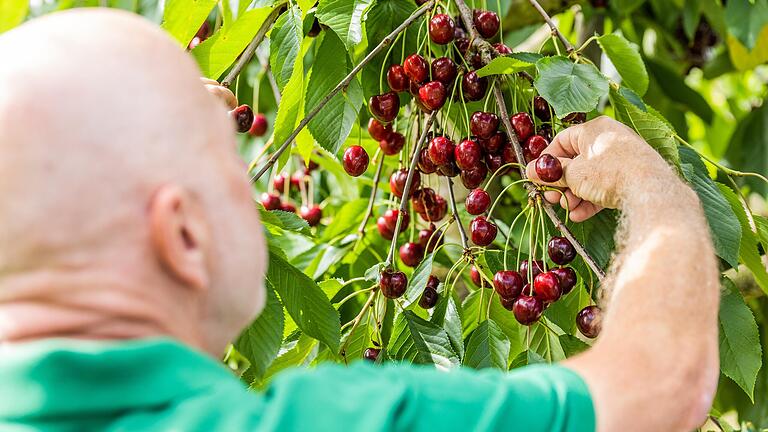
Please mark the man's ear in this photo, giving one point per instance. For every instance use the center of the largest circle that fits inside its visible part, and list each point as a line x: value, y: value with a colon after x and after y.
x: 180, y: 235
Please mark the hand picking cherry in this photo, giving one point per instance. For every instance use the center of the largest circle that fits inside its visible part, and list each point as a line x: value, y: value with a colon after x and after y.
x: 549, y: 168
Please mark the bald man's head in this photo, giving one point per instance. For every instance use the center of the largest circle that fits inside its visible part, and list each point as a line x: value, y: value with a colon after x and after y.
x: 115, y: 161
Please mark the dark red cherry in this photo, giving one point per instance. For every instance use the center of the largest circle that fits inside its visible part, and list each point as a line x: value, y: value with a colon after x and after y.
x: 355, y: 160
x: 311, y: 167
x: 316, y: 28
x: 508, y: 154
x: 473, y: 178
x: 425, y: 162
x: 560, y: 250
x: 534, y: 146
x: 527, y: 309
x: 507, y: 304
x: 547, y: 132
x: 474, y: 87
x: 437, y: 211
x: 423, y: 198
x: 477, y: 202
x: 483, y: 124
x: 575, y: 118
x: 259, y: 126
x: 508, y: 283
x: 392, y: 283
x: 444, y: 70
x: 441, y: 29
x: 494, y: 143
x: 567, y: 278
x: 377, y: 130
x: 494, y: 162
x: 449, y: 170
x: 397, y: 79
x: 393, y: 144
x: 384, y: 107
x: 288, y: 207
x: 371, y: 354
x: 297, y: 179
x: 589, y: 321
x: 278, y: 183
x: 416, y: 68
x: 429, y: 297
x: 311, y: 214
x: 243, y: 118
x: 397, y: 182
x: 387, y: 222
x: 477, y: 279
x: 549, y: 168
x: 441, y: 150
x: 270, y: 201
x: 384, y: 229
x: 462, y: 43
x: 523, y: 125
x: 502, y: 49
x: 468, y: 154
x: 482, y: 231
x: 487, y: 24
x: 537, y: 268
x: 541, y: 108
x: 546, y: 286
x: 430, y: 238
x: 433, y: 95
x: 411, y: 254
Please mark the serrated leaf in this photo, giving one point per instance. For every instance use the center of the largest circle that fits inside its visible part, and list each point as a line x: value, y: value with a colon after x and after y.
x: 345, y: 18
x: 563, y: 312
x: 285, y: 45
x: 418, y: 281
x: 355, y: 343
x: 305, y: 302
x: 740, y: 352
x: 420, y: 341
x: 627, y: 61
x: 527, y: 57
x: 12, y: 13
x: 503, y: 65
x: 446, y: 315
x: 260, y: 341
x: 292, y: 354
x: 572, y: 345
x: 288, y: 110
x: 283, y: 220
x: 545, y: 342
x: 675, y: 88
x: 488, y: 347
x: 181, y: 18
x: 745, y: 19
x: 348, y: 216
x: 570, y: 87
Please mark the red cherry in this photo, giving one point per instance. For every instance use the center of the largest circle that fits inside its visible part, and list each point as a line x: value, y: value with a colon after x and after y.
x: 416, y: 68
x: 371, y: 354
x: 567, y: 278
x: 449, y: 170
x: 473, y: 178
x: 474, y: 273
x: 523, y: 125
x: 541, y: 108
x: 432, y: 95
x: 548, y: 167
x: 527, y: 309
x: 534, y: 146
x: 462, y: 42
x: 288, y: 207
x: 355, y: 160
x: 546, y: 286
x: 278, y: 183
x: 397, y: 182
x: 495, y: 162
x: 387, y: 222
x: 508, y: 304
x: 437, y: 211
x: 429, y: 297
x: 425, y: 162
x: 589, y: 321
x: 494, y: 143
x: 259, y: 126
x: 538, y: 267
x: 483, y: 124
x: 311, y: 214
x: 546, y: 132
x: 477, y: 202
x: 508, y: 154
x: 560, y: 250
x: 423, y: 198
x: 384, y: 107
x: 270, y: 201
x: 474, y: 87
x: 468, y: 154
x: 243, y: 118
x: 384, y: 230
x: 316, y: 28
x: 411, y: 254
x: 441, y: 150
x: 378, y: 131
x: 393, y: 283
x: 483, y: 231
x: 575, y: 118
x: 393, y: 144
x: 487, y: 23
x: 430, y: 238
x: 441, y: 29
x: 444, y: 70
x: 397, y: 79
x: 502, y: 49
x: 508, y: 283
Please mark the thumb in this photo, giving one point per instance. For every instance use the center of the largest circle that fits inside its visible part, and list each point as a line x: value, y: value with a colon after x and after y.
x: 530, y: 171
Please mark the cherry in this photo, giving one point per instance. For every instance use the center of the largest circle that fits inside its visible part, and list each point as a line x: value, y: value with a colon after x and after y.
x: 541, y: 108
x: 315, y: 30
x: 311, y: 214
x: 575, y: 118
x: 430, y: 238
x: 416, y: 68
x: 259, y: 125
x: 527, y: 309
x: 288, y: 207
x: 393, y: 144
x: 567, y: 278
x: 494, y: 143
x: 560, y: 250
x: 508, y: 283
x: 538, y: 267
x: 507, y: 303
x: 477, y: 279
x: 432, y: 95
x: 441, y: 150
x: 589, y: 321
x: 430, y: 296
x: 387, y: 222
x: 384, y: 229
x: 477, y: 202
x: 487, y: 23
x: 425, y: 162
x: 462, y: 42
x: 444, y: 70
x: 279, y: 182
x: 270, y: 201
x: 523, y: 125
x: 534, y: 146
x: 355, y: 160
x: 243, y: 117
x: 441, y: 29
x: 411, y: 254
x: 474, y: 87
x: 502, y: 49
x: 508, y: 154
x: 371, y: 354
x: 392, y: 283
x: 449, y: 170
x: 483, y: 124
x: 483, y: 231
x: 468, y: 154
x: 397, y: 182
x: 384, y: 107
x: 546, y: 132
x: 547, y: 287
x: 397, y: 79
x: 311, y: 167
x: 437, y: 211
x: 494, y: 162
x: 473, y: 178
x: 377, y: 130
x: 423, y: 198
x: 549, y: 168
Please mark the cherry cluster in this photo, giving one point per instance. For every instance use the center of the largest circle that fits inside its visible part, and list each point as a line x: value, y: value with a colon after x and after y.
x: 283, y: 186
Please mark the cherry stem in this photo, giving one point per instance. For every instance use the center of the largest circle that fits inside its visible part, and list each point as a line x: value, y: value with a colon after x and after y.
x: 356, y: 322
x: 375, y: 188
x: 247, y: 55
x: 456, y: 215
x: 354, y: 293
x: 341, y: 86
x: 552, y: 26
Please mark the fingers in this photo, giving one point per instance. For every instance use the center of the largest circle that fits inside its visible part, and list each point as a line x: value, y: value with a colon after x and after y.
x: 220, y: 92
x: 584, y: 211
x: 530, y: 171
x: 566, y: 143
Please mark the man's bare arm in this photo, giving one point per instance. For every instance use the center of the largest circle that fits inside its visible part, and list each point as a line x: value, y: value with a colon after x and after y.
x: 655, y: 365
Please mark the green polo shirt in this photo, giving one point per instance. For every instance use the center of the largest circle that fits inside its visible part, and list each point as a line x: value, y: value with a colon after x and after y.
x: 161, y: 385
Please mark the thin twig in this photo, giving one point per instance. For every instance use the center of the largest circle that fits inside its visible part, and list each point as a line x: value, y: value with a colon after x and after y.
x: 246, y: 56
x: 342, y: 85
x: 355, y: 323
x: 552, y: 26
x: 371, y: 200
x: 464, y: 242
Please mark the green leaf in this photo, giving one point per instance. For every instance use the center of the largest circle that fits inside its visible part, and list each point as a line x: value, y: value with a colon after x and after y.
x: 675, y: 87
x: 570, y: 87
x: 488, y: 347
x: 745, y: 19
x: 355, y: 343
x: 572, y: 345
x: 503, y: 65
x: 283, y: 220
x: 219, y: 51
x: 740, y: 352
x: 261, y: 340
x: 563, y: 312
x: 182, y: 18
x: 418, y: 281
x: 345, y: 18
x: 723, y: 223
x: 526, y: 358
x: 420, y: 341
x: 13, y: 12
x: 747, y: 149
x: 625, y: 7
x: 333, y: 123
x: 305, y: 302
x: 447, y: 316
x: 627, y: 61
x: 289, y: 109
x: 348, y: 216
x: 527, y: 57
x: 285, y: 45
x: 292, y: 354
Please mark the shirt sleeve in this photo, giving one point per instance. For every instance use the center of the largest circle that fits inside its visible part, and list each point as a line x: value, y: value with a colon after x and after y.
x: 366, y: 397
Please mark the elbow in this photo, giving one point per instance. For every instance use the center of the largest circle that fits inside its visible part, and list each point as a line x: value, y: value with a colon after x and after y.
x: 693, y: 385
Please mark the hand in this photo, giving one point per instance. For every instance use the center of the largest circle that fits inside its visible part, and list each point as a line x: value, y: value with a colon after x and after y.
x: 220, y: 92
x: 603, y: 161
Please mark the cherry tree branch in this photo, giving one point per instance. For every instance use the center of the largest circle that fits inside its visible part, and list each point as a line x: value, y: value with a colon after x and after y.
x: 552, y: 26
x: 455, y: 211
x: 341, y: 86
